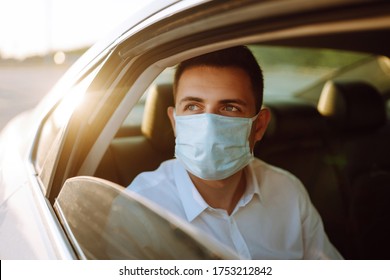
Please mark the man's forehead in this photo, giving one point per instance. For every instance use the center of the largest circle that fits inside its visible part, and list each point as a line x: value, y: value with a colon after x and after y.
x: 227, y: 79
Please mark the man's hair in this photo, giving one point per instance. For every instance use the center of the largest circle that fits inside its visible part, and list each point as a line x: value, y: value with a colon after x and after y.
x: 239, y: 57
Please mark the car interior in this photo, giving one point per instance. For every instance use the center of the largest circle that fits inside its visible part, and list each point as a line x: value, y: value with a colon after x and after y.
x: 337, y: 146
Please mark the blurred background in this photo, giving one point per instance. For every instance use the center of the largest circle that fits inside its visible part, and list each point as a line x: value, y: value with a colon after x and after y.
x: 41, y: 39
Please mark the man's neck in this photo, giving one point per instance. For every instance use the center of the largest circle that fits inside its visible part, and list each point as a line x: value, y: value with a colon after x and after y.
x: 222, y: 194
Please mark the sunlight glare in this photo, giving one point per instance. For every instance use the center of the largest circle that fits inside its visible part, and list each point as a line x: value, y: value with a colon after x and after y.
x: 37, y: 27
x: 59, y: 58
x: 68, y: 105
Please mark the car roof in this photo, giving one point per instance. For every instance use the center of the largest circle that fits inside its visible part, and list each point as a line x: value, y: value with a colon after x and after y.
x: 367, y: 30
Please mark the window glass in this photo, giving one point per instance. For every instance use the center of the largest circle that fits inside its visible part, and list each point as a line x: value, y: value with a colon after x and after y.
x: 288, y: 71
x: 106, y: 223
x: 49, y: 140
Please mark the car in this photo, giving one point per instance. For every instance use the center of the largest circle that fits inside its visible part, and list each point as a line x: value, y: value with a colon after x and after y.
x: 64, y: 164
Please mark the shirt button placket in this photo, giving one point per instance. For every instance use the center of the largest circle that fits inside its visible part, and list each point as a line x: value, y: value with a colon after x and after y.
x: 238, y: 240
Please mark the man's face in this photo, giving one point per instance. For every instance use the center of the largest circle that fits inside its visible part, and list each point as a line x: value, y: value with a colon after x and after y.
x: 224, y: 91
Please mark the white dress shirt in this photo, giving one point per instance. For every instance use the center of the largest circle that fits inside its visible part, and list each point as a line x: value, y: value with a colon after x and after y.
x: 274, y: 219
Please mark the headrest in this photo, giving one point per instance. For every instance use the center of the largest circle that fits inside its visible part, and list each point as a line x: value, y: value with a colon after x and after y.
x: 352, y: 105
x: 294, y: 120
x: 156, y: 125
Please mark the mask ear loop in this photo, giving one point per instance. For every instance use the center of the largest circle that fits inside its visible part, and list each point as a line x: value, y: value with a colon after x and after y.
x: 255, y: 117
x: 252, y: 120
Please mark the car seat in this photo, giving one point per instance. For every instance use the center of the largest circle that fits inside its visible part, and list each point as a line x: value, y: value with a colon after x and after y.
x: 296, y: 140
x: 357, y: 113
x: 128, y: 156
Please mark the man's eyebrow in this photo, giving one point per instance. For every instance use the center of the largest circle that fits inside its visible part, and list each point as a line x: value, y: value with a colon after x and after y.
x: 190, y: 98
x: 236, y: 101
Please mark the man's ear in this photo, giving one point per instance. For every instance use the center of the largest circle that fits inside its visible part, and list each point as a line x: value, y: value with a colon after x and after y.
x: 261, y: 124
x: 171, y: 112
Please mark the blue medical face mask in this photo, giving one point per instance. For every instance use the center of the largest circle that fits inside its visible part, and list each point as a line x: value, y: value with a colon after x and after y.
x: 213, y: 147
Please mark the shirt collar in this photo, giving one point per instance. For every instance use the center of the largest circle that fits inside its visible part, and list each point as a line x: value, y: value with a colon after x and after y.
x: 193, y: 203
x: 252, y: 188
x: 253, y: 185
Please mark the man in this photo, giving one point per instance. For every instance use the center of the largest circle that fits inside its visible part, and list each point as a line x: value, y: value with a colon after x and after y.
x: 215, y: 183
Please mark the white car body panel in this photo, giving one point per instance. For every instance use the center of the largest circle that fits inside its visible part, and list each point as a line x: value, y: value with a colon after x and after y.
x: 31, y: 231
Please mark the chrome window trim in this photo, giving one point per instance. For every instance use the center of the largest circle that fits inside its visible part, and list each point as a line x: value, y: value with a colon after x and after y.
x: 69, y: 232
x: 59, y: 240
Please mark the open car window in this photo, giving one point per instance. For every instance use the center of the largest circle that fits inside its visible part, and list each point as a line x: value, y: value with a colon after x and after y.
x: 288, y: 72
x: 104, y: 222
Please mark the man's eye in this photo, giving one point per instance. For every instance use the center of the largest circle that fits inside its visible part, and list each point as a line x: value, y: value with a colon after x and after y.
x: 230, y: 108
x: 192, y: 107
